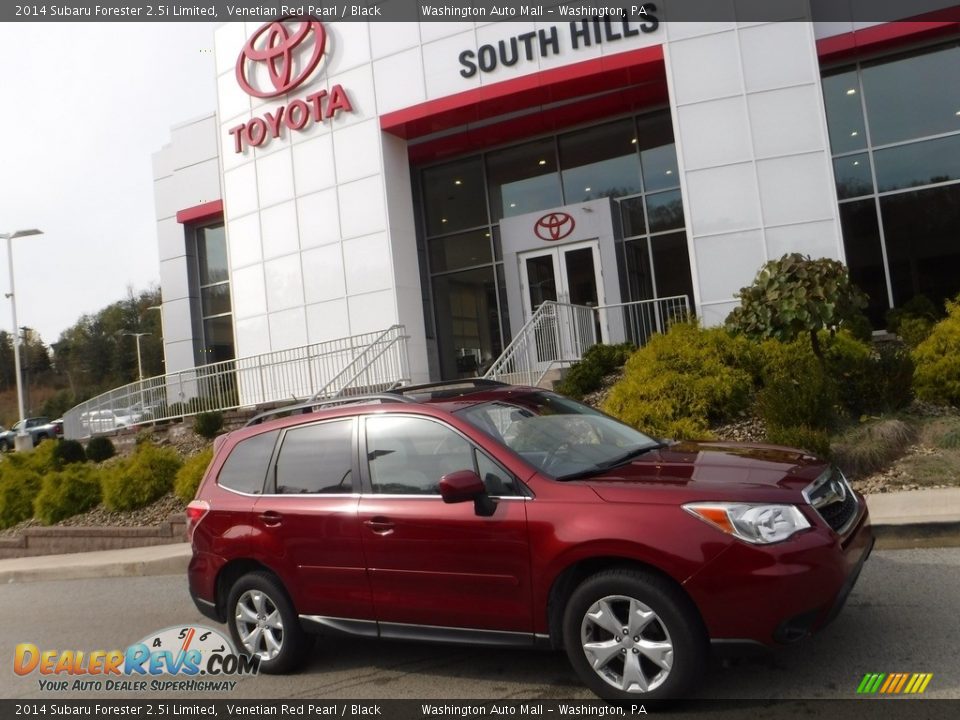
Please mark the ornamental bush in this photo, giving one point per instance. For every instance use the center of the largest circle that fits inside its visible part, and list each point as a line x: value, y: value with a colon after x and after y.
x: 586, y: 376
x: 208, y: 424
x: 66, y: 493
x: 812, y: 440
x: 137, y: 481
x: 189, y: 476
x: 66, y: 452
x: 99, y: 449
x: 684, y: 380
x: 937, y: 375
x: 796, y: 296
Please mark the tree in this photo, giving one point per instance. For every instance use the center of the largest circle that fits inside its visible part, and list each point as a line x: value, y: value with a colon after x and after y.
x: 796, y: 295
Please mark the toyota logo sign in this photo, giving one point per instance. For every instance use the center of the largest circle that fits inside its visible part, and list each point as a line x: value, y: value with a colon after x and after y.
x: 273, y: 46
x: 554, y: 226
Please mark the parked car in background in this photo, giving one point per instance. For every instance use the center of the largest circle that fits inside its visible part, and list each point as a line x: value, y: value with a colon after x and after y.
x: 104, y: 421
x: 39, y: 428
x: 485, y: 513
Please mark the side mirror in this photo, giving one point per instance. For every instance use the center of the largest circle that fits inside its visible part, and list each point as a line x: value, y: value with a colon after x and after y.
x: 464, y: 485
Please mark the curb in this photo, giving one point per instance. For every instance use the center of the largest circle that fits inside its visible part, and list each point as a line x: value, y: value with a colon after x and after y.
x: 174, y: 562
x: 917, y: 535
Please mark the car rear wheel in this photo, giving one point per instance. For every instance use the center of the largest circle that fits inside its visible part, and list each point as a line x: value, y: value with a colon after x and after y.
x: 632, y: 635
x: 263, y: 622
x: 4, y: 446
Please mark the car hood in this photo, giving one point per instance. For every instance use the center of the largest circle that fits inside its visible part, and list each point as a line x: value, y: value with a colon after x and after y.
x: 712, y: 470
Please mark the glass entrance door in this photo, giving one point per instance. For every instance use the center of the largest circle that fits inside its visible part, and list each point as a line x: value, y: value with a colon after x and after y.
x: 569, y: 275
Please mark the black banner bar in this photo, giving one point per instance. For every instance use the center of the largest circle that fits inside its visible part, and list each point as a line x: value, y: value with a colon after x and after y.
x: 858, y: 709
x: 857, y: 11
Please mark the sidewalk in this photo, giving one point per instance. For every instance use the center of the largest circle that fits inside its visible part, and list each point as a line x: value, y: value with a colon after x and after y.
x: 918, y: 518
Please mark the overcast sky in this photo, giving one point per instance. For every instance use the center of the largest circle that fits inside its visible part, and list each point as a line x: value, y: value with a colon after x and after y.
x: 83, y: 106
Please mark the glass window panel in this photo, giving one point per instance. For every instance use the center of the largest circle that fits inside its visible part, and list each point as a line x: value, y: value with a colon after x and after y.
x: 581, y: 277
x: 408, y: 456
x: 922, y: 163
x: 631, y: 215
x: 468, y: 325
x: 861, y: 238
x: 215, y: 299
x: 499, y: 482
x: 212, y: 254
x: 921, y: 231
x: 600, y: 162
x: 497, y: 245
x: 639, y: 274
x: 218, y: 339
x: 852, y: 173
x: 458, y: 251
x: 453, y: 196
x: 505, y: 332
x: 317, y: 459
x: 523, y: 179
x: 246, y: 468
x: 541, y: 280
x: 665, y: 211
x: 658, y: 154
x: 671, y: 263
x: 913, y: 96
x: 841, y: 95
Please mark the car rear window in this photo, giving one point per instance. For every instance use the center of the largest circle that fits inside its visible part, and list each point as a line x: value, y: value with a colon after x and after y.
x: 316, y: 459
x: 246, y: 468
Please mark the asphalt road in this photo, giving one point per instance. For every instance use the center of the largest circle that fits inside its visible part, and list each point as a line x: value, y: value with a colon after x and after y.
x: 902, y: 617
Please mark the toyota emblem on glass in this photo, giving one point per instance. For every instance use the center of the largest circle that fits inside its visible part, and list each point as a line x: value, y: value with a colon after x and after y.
x: 274, y: 45
x: 554, y: 226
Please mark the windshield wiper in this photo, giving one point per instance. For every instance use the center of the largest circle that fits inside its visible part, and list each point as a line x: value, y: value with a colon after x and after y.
x: 610, y: 464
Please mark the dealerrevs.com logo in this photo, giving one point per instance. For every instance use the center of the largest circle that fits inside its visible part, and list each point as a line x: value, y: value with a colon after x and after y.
x: 182, y: 658
x: 278, y: 58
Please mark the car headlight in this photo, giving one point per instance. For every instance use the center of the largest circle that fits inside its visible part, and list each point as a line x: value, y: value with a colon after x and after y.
x: 757, y: 524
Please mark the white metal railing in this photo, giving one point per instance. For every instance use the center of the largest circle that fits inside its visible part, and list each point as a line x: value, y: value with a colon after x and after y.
x: 361, y: 363
x: 558, y: 334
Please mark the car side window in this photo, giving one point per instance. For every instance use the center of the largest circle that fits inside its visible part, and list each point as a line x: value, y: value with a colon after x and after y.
x: 316, y: 459
x: 246, y: 468
x: 408, y: 456
x: 499, y: 482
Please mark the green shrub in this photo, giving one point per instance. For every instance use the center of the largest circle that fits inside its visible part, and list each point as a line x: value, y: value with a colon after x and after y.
x: 73, y: 490
x: 796, y: 296
x: 943, y: 433
x: 99, y: 449
x: 189, y: 476
x: 586, y: 376
x: 919, y: 307
x: 684, y: 380
x: 137, y: 481
x: 69, y: 451
x: 797, y: 391
x: 811, y: 440
x: 19, y: 485
x: 208, y: 424
x: 914, y: 330
x: 869, y: 379
x: 937, y: 360
x: 871, y: 447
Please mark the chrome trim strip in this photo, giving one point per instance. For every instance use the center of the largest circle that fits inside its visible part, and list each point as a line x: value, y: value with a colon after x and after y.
x: 343, y: 626
x: 207, y: 603
x: 454, y: 635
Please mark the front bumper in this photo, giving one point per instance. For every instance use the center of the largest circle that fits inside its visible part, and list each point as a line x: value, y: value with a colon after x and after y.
x: 781, y: 593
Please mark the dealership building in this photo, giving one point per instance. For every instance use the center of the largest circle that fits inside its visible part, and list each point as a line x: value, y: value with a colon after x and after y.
x: 450, y: 177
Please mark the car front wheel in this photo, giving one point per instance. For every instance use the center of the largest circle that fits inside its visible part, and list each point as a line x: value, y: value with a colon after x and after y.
x: 632, y: 635
x: 263, y: 622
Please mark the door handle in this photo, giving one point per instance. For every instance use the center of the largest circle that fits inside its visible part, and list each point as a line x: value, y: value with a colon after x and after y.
x: 380, y: 525
x: 271, y: 518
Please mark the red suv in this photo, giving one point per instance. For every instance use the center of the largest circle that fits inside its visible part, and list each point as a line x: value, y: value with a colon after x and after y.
x: 500, y: 515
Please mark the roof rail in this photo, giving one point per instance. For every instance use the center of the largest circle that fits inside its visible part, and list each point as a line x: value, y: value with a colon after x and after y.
x: 310, y: 406
x: 478, y: 383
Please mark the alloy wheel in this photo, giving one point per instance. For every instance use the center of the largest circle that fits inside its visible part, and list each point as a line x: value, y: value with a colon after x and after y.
x: 259, y: 624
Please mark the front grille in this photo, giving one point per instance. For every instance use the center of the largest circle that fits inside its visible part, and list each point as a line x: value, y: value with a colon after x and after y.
x: 832, y: 497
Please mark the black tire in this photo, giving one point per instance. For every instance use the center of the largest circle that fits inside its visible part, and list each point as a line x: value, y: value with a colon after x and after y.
x: 675, y: 623
x: 4, y: 446
x: 291, y: 639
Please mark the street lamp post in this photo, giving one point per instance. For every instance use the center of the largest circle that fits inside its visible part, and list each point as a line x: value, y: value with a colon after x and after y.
x: 138, y: 335
x: 23, y: 440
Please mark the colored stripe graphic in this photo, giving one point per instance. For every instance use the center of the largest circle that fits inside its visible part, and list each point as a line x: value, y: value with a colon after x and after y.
x: 894, y: 683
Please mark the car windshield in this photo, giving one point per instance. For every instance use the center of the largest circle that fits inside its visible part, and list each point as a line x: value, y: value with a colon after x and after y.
x: 562, y: 438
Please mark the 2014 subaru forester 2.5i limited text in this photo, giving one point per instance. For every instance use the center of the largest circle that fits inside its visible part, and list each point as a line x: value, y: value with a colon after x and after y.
x: 511, y: 516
